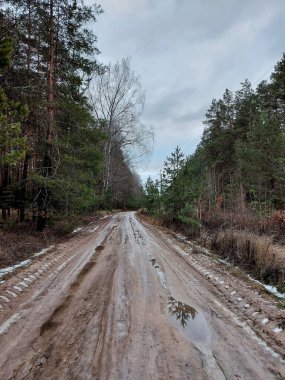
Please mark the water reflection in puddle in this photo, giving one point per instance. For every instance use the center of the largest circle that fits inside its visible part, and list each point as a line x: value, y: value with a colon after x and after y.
x: 181, y: 311
x: 188, y: 321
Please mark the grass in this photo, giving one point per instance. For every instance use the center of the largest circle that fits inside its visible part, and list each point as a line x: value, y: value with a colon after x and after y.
x: 257, y: 254
x: 254, y: 253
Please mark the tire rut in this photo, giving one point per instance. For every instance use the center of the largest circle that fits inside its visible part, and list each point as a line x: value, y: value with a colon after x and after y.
x: 66, y: 331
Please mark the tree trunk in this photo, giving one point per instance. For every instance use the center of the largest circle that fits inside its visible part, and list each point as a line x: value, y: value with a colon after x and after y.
x: 47, y: 161
x: 23, y: 187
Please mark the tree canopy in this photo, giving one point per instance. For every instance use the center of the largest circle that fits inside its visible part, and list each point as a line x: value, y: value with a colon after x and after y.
x: 54, y: 138
x: 238, y: 169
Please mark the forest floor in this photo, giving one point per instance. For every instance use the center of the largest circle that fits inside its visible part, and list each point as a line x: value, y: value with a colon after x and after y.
x: 19, y: 242
x: 123, y: 299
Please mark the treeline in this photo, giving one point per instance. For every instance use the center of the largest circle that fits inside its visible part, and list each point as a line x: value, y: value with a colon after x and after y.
x: 236, y: 177
x: 69, y: 126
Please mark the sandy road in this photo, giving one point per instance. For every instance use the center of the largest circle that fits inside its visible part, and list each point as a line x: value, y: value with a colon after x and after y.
x: 121, y: 303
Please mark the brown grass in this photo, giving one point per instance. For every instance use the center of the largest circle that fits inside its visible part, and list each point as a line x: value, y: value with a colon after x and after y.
x: 272, y: 224
x: 258, y: 254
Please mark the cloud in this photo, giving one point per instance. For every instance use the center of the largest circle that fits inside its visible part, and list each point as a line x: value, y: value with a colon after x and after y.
x: 167, y: 104
x: 188, y: 52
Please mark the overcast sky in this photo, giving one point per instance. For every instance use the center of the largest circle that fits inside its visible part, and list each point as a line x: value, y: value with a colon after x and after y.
x: 187, y: 52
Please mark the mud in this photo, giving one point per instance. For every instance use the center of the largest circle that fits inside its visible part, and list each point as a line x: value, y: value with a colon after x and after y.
x: 121, y: 303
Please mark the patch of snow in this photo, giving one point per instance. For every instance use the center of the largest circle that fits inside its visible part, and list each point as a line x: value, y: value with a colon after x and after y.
x: 162, y: 278
x: 5, y: 326
x: 270, y: 288
x: 93, y: 229
x: 195, y: 245
x: 264, y: 321
x: 10, y: 269
x: 273, y: 290
x: 225, y: 262
x: 43, y: 251
x: 249, y: 330
x: 181, y: 252
x: 181, y: 237
x: 277, y: 330
x: 28, y: 280
x: 12, y: 293
x: 18, y: 288
x: 23, y: 284
x: 5, y: 298
x: 160, y: 273
x: 24, y: 263
x: 77, y: 230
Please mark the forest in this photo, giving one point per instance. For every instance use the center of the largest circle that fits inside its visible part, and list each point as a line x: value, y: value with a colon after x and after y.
x: 71, y: 134
x: 230, y: 193
x: 70, y: 128
x: 236, y: 175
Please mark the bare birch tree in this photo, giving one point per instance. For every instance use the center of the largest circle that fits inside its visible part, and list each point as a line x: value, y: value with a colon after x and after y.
x: 118, y: 102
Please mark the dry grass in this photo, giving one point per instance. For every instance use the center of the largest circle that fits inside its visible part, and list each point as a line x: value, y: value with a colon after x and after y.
x: 255, y: 253
x: 145, y: 216
x: 270, y: 224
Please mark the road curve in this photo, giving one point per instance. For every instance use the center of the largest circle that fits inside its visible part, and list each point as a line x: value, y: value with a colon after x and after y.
x: 120, y: 303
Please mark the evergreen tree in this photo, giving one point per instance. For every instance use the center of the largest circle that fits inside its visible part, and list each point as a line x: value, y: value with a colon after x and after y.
x: 172, y: 165
x: 12, y: 143
x: 261, y: 158
x: 52, y: 64
x: 152, y: 195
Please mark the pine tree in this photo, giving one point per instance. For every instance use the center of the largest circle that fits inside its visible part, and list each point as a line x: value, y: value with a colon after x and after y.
x: 52, y: 63
x: 261, y: 158
x: 151, y: 195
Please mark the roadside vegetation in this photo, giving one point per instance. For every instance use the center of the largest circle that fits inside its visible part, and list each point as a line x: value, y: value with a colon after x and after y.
x: 70, y: 127
x: 71, y: 131
x: 230, y: 194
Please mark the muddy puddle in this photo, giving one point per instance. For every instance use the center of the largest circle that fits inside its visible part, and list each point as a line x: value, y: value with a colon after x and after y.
x: 192, y: 325
x: 188, y: 321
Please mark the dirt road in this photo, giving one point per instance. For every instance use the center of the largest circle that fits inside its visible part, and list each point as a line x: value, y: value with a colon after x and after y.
x: 127, y: 301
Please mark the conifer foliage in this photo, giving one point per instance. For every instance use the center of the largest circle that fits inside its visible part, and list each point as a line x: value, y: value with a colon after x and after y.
x: 237, y: 173
x: 51, y: 141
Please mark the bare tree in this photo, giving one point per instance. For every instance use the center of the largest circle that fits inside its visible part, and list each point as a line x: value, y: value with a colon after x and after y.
x: 118, y: 102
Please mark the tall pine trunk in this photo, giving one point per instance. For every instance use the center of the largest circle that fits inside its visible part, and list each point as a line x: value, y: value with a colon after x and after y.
x: 23, y: 180
x: 43, y: 198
